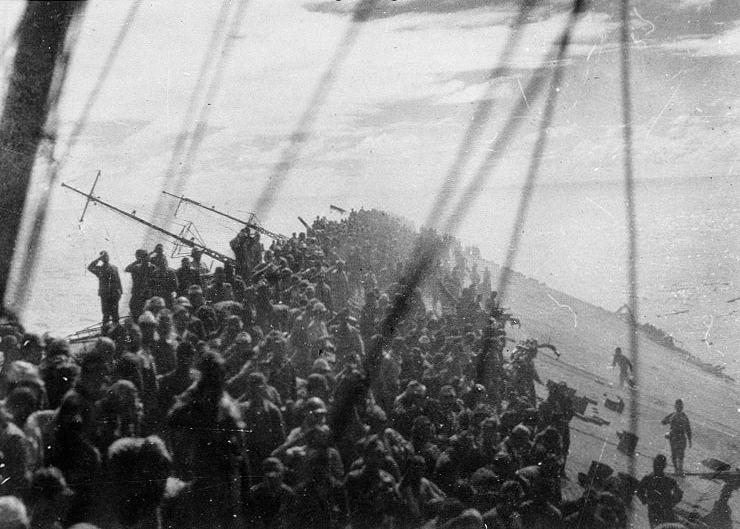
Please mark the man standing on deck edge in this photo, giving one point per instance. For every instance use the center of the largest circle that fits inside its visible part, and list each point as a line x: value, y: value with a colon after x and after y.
x: 679, y: 434
x: 109, y: 287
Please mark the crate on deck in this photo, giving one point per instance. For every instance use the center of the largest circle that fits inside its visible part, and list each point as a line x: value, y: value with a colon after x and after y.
x: 614, y: 403
x: 585, y: 408
x: 716, y: 464
x: 627, y: 442
x: 567, y: 390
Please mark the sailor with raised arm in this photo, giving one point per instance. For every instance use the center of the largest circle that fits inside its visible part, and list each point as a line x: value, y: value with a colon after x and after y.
x: 109, y: 286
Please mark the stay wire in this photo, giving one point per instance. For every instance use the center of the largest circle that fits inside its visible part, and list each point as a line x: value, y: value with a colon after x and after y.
x: 179, y: 165
x: 201, y: 125
x: 45, y: 150
x: 629, y: 192
x: 535, y: 162
x: 423, y: 258
x: 100, y: 83
x: 302, y: 131
x: 479, y: 118
x: 536, y: 82
x: 55, y: 165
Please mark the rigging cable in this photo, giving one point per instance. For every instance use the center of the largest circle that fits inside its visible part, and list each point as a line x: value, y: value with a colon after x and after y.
x: 302, y: 132
x: 34, y: 240
x: 181, y: 160
x: 629, y: 192
x: 422, y: 258
x: 98, y: 88
x: 479, y: 119
x: 534, y: 165
x: 474, y: 188
x: 43, y: 138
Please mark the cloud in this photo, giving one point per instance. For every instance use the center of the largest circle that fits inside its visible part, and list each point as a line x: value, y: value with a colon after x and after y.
x: 108, y: 133
x: 593, y: 27
x: 477, y: 92
x: 391, y: 8
x: 725, y: 44
x: 690, y: 4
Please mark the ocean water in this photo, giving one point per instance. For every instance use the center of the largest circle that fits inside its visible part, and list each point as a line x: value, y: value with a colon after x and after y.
x: 688, y: 253
x: 574, y: 240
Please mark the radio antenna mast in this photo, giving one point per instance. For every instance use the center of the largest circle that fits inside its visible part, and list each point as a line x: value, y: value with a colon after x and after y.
x: 248, y: 223
x: 218, y: 256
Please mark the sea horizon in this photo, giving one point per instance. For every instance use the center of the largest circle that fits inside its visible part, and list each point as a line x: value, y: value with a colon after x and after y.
x: 574, y: 241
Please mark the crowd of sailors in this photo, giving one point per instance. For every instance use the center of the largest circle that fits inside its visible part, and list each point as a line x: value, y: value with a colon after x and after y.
x: 266, y: 394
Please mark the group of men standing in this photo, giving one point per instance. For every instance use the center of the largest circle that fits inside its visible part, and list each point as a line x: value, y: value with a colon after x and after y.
x: 150, y: 276
x: 657, y: 490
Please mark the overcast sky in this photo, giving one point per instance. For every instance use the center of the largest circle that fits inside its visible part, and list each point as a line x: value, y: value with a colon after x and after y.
x: 398, y: 106
x: 401, y: 99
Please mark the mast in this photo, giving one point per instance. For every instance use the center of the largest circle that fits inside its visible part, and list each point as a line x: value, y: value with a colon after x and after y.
x: 89, y: 196
x: 187, y: 242
x: 249, y: 223
x: 41, y: 35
